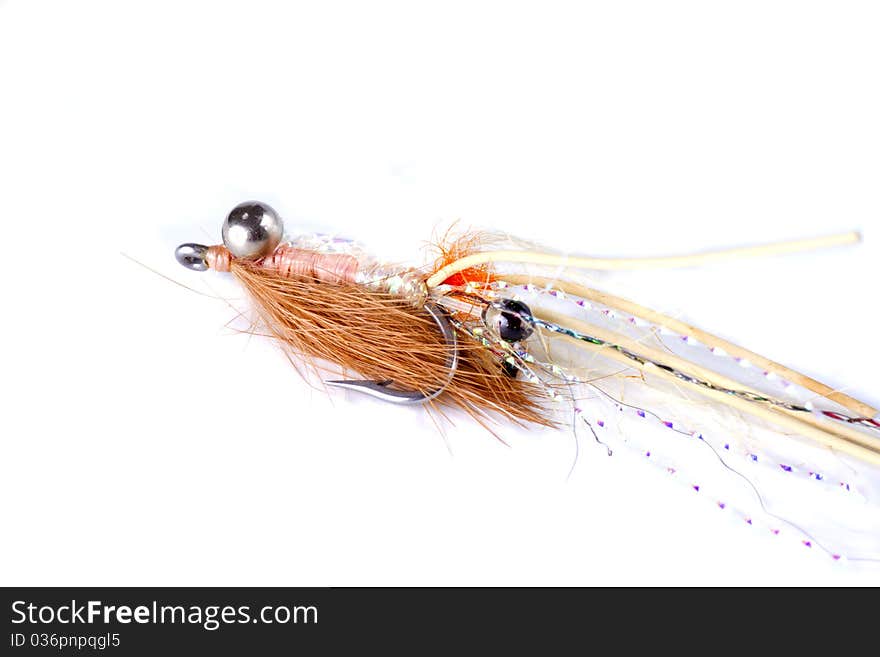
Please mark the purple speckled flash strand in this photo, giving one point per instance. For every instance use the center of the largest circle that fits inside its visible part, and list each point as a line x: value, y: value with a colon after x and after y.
x: 749, y: 519
x: 521, y: 359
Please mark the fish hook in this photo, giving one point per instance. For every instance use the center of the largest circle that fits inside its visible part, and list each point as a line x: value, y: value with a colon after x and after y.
x: 380, y: 389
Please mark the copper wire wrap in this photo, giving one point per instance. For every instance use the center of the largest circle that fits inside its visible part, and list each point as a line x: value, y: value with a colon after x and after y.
x: 325, y: 267
x: 291, y: 262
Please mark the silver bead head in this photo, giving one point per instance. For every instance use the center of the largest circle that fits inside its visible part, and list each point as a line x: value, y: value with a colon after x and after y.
x: 252, y: 230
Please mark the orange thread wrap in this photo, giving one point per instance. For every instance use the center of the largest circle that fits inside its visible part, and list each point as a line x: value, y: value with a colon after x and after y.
x: 218, y: 258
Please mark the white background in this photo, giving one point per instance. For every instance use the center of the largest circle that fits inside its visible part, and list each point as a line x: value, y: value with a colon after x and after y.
x: 143, y: 443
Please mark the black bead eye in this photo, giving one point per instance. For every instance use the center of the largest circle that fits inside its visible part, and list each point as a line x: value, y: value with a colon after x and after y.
x: 510, y: 319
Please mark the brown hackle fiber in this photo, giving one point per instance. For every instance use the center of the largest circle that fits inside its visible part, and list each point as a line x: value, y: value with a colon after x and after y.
x: 373, y: 335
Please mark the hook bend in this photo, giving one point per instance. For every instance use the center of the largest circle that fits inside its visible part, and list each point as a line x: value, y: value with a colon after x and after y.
x: 380, y: 389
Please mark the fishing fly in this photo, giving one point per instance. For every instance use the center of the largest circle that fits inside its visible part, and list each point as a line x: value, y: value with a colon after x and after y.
x: 505, y: 331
